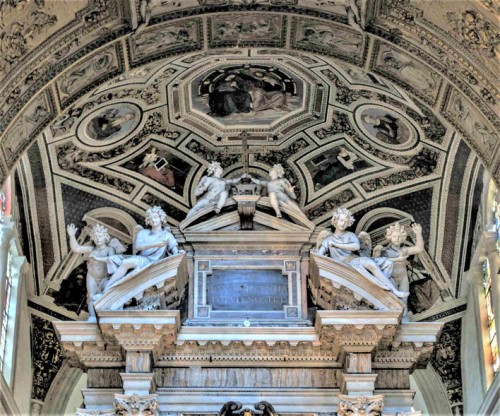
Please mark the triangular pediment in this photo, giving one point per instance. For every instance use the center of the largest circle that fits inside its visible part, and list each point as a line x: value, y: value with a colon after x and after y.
x: 228, y: 219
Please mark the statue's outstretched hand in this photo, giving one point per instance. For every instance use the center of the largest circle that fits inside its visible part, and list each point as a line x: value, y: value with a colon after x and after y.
x: 71, y: 229
x: 417, y: 228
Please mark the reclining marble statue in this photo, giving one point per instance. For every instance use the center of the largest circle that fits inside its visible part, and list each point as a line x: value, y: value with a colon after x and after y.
x: 341, y: 245
x: 213, y: 189
x: 397, y: 235
x: 151, y: 246
x: 97, y: 273
x: 280, y: 190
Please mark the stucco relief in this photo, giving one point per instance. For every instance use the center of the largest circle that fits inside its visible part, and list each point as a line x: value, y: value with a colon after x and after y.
x: 471, y: 123
x: 475, y: 32
x: 19, y: 135
x: 101, y: 66
x: 403, y: 68
x: 468, y: 22
x: 24, y: 24
x: 247, y: 2
x: 247, y: 30
x: 328, y: 38
x: 165, y: 39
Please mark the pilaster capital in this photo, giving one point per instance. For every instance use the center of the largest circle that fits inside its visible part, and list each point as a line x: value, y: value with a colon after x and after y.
x: 361, y: 405
x: 136, y: 405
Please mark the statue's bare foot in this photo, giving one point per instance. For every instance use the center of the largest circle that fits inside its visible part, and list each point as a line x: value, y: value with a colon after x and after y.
x: 401, y: 295
x: 217, y: 210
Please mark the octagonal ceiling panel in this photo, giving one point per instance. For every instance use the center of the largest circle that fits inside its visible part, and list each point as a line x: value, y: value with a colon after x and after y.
x: 261, y: 96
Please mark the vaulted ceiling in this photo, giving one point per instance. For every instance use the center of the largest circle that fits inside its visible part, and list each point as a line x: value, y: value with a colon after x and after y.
x: 99, y: 110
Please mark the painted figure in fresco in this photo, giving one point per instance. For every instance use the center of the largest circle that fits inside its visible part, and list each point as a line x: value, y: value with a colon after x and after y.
x: 280, y: 190
x: 266, y: 99
x: 151, y: 245
x: 387, y: 127
x: 97, y: 272
x: 347, y: 158
x: 247, y: 90
x: 109, y: 123
x: 341, y: 245
x: 156, y: 168
x: 229, y: 96
x: 213, y: 189
x: 397, y: 235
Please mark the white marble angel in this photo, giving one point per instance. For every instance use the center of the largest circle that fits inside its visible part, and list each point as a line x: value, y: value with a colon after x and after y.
x: 280, y: 190
x: 97, y: 272
x: 397, y: 235
x: 213, y: 189
x: 341, y: 245
x: 150, y: 246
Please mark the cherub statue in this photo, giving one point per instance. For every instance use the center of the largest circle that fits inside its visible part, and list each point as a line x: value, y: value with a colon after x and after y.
x: 150, y: 245
x: 280, y: 190
x: 341, y: 245
x: 213, y: 188
x: 365, y: 244
x: 396, y: 234
x: 97, y: 272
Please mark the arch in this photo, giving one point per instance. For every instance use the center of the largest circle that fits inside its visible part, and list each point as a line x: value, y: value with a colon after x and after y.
x: 40, y: 103
x: 376, y: 214
x: 61, y: 389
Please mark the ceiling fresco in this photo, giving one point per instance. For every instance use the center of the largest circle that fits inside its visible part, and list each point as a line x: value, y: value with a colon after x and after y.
x: 344, y: 136
x: 104, y: 107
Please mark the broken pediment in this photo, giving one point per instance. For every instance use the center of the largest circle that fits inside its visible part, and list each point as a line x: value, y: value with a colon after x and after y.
x: 159, y: 286
x: 335, y: 285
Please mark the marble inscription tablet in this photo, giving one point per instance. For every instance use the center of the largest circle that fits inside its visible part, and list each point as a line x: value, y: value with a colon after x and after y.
x: 247, y: 290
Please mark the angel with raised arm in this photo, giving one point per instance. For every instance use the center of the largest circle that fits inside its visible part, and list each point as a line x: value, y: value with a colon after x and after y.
x: 213, y: 189
x: 397, y: 235
x: 341, y: 245
x: 97, y: 272
x: 150, y: 246
x: 280, y: 190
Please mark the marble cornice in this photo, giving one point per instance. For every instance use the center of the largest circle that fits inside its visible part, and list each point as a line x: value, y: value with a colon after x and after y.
x: 335, y: 334
x: 403, y: 358
x: 247, y: 336
x: 417, y: 333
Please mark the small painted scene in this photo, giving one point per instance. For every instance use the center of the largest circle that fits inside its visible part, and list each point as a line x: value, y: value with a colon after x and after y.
x: 332, y: 165
x: 73, y: 293
x: 247, y: 94
x: 386, y: 126
x: 112, y: 123
x: 162, y: 167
